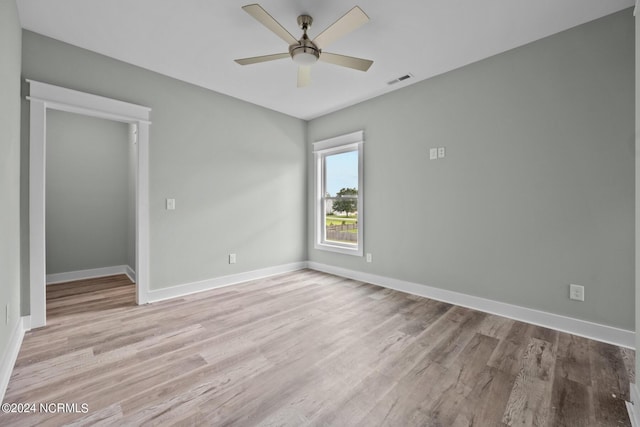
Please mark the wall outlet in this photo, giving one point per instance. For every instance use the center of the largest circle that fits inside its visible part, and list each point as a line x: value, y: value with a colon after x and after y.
x: 368, y: 257
x: 433, y: 153
x: 576, y: 292
x: 232, y: 258
x: 171, y: 204
x: 441, y: 152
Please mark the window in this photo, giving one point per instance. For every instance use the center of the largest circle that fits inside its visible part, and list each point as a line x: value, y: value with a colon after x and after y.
x: 339, y: 194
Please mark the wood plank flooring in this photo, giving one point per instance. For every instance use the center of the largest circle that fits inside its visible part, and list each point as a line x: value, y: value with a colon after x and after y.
x: 305, y: 348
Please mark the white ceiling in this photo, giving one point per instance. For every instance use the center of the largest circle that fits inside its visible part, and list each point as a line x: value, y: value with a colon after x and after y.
x: 197, y: 40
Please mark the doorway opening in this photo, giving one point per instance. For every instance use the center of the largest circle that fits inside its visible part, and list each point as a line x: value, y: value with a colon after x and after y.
x: 90, y: 213
x: 44, y: 97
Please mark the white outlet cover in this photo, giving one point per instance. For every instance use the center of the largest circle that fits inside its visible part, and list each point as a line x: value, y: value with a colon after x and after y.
x: 441, y: 152
x: 433, y: 153
x: 576, y: 292
x: 171, y: 204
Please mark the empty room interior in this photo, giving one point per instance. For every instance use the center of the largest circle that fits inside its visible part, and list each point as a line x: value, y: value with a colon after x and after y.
x: 319, y: 213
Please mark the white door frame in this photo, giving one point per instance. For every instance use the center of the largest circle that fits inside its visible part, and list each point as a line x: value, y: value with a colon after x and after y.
x: 45, y: 97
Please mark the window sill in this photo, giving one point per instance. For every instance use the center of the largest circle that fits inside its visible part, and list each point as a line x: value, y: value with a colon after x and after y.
x: 355, y: 251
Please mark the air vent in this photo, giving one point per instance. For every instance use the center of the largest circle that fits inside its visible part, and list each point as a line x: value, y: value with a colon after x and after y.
x: 399, y: 79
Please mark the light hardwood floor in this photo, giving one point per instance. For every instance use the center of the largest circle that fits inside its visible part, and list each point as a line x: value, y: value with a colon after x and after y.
x: 307, y: 348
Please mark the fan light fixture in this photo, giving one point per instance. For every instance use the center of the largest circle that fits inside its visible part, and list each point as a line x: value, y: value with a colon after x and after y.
x: 304, y: 58
x: 304, y: 55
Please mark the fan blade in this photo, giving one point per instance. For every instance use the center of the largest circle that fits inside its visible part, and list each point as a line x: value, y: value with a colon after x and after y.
x: 304, y: 76
x: 265, y: 58
x: 346, y: 61
x: 268, y: 21
x: 351, y: 20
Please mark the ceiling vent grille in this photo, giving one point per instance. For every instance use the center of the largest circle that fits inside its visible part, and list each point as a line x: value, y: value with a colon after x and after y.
x: 400, y: 79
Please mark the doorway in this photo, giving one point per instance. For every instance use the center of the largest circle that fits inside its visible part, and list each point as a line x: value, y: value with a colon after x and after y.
x: 90, y: 199
x: 44, y: 97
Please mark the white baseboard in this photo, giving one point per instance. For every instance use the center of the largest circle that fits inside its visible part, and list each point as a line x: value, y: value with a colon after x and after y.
x: 583, y: 328
x: 90, y: 274
x: 130, y: 273
x: 154, y: 295
x: 633, y: 407
x: 11, y: 353
x: 26, y: 323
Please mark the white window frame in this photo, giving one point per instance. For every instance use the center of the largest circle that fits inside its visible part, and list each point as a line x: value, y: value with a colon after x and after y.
x: 340, y: 144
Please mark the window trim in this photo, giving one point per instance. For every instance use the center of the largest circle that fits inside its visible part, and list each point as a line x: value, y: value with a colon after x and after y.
x: 341, y: 144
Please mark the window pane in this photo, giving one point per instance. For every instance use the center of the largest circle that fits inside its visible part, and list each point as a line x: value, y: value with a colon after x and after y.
x: 341, y: 229
x: 341, y: 173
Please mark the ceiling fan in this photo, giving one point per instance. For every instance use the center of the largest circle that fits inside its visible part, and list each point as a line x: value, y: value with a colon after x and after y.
x: 306, y: 52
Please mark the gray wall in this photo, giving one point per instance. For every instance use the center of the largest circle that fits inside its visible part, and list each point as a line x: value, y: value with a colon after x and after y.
x: 237, y: 171
x: 87, y: 202
x: 537, y: 187
x: 10, y: 45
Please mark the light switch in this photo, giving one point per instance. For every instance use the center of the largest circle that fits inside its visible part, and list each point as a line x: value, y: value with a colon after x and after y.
x: 433, y: 153
x: 171, y: 204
